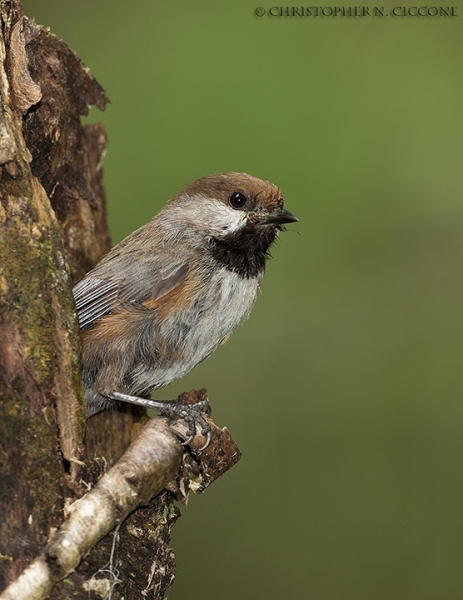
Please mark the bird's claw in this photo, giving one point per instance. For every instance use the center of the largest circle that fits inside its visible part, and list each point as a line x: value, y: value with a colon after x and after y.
x: 191, y: 413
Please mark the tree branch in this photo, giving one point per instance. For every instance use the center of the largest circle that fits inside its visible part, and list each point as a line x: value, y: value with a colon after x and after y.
x: 145, y: 469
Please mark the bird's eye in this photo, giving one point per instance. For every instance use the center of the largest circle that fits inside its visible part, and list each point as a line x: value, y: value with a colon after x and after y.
x: 237, y: 200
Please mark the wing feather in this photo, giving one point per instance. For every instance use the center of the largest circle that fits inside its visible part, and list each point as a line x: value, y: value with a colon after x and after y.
x: 117, y: 283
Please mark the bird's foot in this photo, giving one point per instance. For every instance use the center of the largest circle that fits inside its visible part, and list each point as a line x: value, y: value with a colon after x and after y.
x: 189, y: 407
x: 180, y: 408
x: 191, y: 413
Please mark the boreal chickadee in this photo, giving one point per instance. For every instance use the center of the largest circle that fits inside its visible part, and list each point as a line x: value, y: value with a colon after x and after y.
x: 169, y: 294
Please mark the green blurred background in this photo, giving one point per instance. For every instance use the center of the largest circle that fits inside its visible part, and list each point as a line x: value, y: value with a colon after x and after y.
x: 344, y: 389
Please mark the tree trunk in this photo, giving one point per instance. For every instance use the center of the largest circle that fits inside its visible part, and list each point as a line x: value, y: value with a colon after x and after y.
x: 52, y: 231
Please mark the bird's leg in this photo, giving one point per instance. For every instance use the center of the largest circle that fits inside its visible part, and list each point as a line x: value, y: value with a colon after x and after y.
x: 191, y: 413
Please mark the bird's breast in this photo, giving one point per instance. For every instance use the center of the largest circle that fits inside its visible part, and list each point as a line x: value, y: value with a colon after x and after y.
x: 223, y: 302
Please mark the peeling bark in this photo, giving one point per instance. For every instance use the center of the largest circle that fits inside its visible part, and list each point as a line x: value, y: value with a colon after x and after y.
x: 66, y: 156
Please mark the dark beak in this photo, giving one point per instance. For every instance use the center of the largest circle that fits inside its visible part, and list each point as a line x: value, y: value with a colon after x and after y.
x: 278, y: 216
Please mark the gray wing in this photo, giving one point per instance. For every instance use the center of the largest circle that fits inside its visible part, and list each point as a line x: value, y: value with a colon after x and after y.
x: 124, y: 280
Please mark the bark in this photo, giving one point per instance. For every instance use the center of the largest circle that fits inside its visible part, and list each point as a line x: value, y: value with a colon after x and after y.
x: 63, y: 483
x: 39, y: 377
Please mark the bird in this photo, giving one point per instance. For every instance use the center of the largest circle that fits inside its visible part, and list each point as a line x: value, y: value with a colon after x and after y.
x: 163, y: 299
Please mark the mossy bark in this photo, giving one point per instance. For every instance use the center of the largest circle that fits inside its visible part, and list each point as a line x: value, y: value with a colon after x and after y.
x: 39, y: 376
